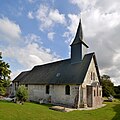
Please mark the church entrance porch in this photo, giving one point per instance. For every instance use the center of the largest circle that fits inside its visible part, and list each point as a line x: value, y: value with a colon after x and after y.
x: 94, y: 95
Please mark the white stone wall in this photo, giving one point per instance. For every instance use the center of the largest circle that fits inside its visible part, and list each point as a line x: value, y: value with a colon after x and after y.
x: 37, y: 92
x: 57, y: 93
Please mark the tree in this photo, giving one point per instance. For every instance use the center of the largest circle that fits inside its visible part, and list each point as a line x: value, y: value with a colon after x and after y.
x: 117, y: 91
x: 4, y: 76
x: 22, y: 94
x: 107, y: 86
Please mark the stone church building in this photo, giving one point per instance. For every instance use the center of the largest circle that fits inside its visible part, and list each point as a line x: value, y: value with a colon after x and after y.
x: 72, y: 82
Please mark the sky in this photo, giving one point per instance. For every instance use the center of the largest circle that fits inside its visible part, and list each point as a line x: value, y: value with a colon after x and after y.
x: 35, y: 32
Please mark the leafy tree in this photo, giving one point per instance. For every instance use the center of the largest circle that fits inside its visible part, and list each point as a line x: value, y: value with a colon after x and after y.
x: 107, y: 86
x: 4, y: 76
x: 22, y: 93
x: 117, y: 91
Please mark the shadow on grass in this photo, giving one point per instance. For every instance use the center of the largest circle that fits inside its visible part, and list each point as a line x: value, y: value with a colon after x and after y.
x: 116, y: 108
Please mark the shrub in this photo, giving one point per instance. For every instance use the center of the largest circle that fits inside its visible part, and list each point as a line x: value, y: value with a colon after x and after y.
x: 22, y: 93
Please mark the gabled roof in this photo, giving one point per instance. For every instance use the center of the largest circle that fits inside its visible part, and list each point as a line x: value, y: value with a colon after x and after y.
x: 21, y: 76
x: 79, y: 36
x: 61, y: 72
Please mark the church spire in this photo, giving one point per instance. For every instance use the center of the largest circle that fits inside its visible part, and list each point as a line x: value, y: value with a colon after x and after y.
x: 79, y: 34
x: 78, y: 47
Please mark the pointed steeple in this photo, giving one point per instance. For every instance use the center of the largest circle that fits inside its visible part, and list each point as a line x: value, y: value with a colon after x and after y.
x: 78, y: 47
x: 79, y: 34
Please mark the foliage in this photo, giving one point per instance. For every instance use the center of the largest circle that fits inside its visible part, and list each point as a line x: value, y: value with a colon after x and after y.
x: 117, y: 91
x: 4, y: 76
x: 22, y: 93
x: 107, y: 86
x: 32, y: 111
x: 117, y: 96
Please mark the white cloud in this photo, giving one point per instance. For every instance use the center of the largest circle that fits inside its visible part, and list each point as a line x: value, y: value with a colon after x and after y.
x: 55, y: 16
x: 32, y: 38
x: 48, y: 17
x: 28, y: 55
x: 108, y: 6
x: 31, y: 1
x: 9, y: 30
x: 26, y: 50
x: 71, y: 28
x: 51, y: 35
x: 83, y: 4
x: 30, y: 15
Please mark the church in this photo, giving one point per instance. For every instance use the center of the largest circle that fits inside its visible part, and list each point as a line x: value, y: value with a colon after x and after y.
x: 73, y: 82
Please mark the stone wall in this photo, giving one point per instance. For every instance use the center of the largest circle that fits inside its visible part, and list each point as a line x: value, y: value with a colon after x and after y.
x: 57, y: 94
x: 97, y: 98
x: 94, y: 96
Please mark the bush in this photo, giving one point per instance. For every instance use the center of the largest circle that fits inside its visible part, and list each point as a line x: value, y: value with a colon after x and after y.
x: 22, y: 93
x: 117, y: 96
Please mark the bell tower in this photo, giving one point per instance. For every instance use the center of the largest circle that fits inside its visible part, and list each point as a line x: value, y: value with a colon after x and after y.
x: 78, y: 46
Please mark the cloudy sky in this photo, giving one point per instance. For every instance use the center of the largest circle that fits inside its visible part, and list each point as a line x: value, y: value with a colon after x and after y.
x: 35, y: 32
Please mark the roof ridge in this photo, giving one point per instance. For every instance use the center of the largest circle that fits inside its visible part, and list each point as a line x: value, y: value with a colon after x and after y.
x: 51, y: 63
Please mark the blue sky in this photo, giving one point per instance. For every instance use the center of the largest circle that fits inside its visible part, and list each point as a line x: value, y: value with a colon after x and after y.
x: 35, y: 32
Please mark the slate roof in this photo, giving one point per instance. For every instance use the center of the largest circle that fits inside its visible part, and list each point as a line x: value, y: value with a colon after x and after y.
x: 60, y: 72
x: 21, y: 76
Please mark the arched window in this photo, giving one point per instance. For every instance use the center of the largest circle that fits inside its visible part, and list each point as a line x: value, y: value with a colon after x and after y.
x: 67, y: 90
x: 47, y: 89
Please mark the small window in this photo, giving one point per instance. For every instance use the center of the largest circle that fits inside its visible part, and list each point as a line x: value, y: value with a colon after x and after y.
x: 91, y: 76
x: 94, y: 92
x: 47, y: 89
x: 97, y: 90
x: 26, y: 85
x: 67, y: 90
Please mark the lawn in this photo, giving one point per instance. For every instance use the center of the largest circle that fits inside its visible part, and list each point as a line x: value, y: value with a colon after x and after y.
x: 32, y: 111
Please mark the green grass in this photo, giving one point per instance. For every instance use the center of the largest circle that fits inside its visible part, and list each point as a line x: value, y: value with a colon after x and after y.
x: 32, y: 111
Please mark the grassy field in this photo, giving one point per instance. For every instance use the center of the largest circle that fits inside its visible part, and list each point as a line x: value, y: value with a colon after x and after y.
x: 32, y: 111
